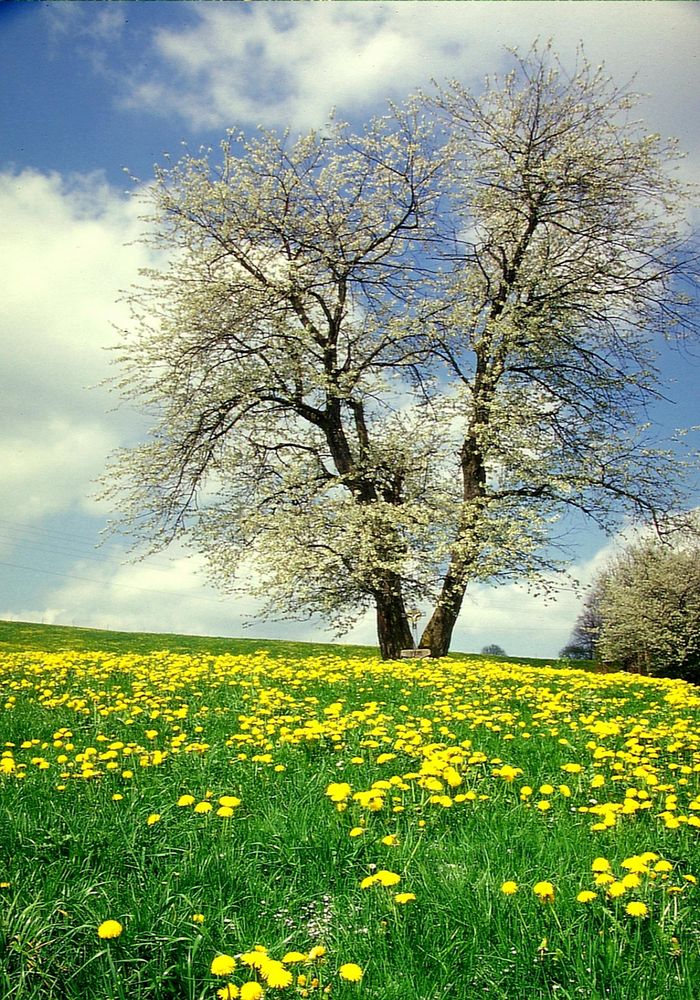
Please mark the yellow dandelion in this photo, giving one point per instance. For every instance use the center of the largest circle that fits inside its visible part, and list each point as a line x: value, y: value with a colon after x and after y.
x: 586, y: 896
x: 509, y: 888
x: 387, y: 878
x: 631, y: 880
x: 185, y: 800
x: 604, y: 878
x: 635, y: 864
x: 275, y: 974
x: 203, y: 807
x: 616, y: 889
x: 255, y: 958
x: 198, y: 918
x: 224, y: 811
x: 153, y: 818
x: 294, y: 956
x: 404, y: 897
x: 228, y: 992
x: 229, y: 801
x: 109, y: 929
x: 391, y: 840
x: 223, y: 965
x: 544, y: 891
x: 251, y: 991
x: 338, y: 791
x: 357, y: 831
x: 637, y: 909
x: 663, y: 867
x: 350, y: 972
x: 318, y: 951
x: 600, y: 865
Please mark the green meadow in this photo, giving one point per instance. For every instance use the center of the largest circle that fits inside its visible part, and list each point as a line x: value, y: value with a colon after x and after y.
x: 191, y: 818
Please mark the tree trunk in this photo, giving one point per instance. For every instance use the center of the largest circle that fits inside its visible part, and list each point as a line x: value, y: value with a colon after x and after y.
x: 437, y: 635
x: 393, y: 628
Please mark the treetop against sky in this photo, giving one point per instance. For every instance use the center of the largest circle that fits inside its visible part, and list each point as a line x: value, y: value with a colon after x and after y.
x: 91, y: 89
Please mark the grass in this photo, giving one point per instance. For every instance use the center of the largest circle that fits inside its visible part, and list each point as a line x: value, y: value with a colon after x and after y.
x: 457, y: 776
x: 15, y: 636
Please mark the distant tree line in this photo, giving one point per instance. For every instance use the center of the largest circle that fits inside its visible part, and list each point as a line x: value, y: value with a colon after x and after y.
x: 643, y: 611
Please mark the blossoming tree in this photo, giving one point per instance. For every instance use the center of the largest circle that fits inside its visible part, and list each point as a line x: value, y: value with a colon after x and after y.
x: 383, y: 364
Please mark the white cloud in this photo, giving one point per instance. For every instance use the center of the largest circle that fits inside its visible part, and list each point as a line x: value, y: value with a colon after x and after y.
x: 64, y: 263
x: 525, y: 623
x: 290, y: 64
x: 164, y: 593
x: 168, y: 593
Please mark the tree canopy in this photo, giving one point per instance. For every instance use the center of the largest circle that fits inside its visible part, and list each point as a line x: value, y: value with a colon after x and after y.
x: 647, y: 603
x: 383, y: 363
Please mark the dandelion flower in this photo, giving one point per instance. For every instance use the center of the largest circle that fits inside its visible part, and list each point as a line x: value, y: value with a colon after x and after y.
x: 616, y: 889
x: 318, y: 951
x: 275, y: 974
x: 198, y: 918
x: 255, y: 958
x: 509, y: 888
x: 228, y: 992
x: 153, y: 818
x: 225, y: 812
x: 229, y: 801
x: 203, y: 807
x: 109, y: 929
x: 404, y: 897
x: 508, y: 773
x: 631, y: 880
x: 544, y: 891
x: 586, y: 896
x: 635, y: 864
x: 637, y: 909
x: 223, y: 965
x: 351, y: 972
x: 185, y: 800
x: 338, y: 791
x: 600, y: 865
x: 604, y: 878
x: 357, y: 831
x: 391, y: 840
x: 387, y: 878
x: 251, y: 991
x: 294, y: 956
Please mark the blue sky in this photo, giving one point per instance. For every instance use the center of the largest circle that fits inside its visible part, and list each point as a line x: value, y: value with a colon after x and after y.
x: 88, y: 90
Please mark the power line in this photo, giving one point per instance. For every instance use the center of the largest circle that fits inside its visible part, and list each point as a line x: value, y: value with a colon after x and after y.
x: 111, y: 583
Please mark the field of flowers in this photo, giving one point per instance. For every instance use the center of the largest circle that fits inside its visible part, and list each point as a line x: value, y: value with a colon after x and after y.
x: 195, y: 826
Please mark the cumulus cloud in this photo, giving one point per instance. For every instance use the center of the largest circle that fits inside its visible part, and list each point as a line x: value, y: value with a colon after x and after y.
x: 162, y: 593
x: 290, y: 64
x: 65, y: 259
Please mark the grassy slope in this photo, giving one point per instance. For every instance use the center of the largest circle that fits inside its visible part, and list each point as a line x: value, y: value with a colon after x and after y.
x: 284, y: 871
x: 20, y: 636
